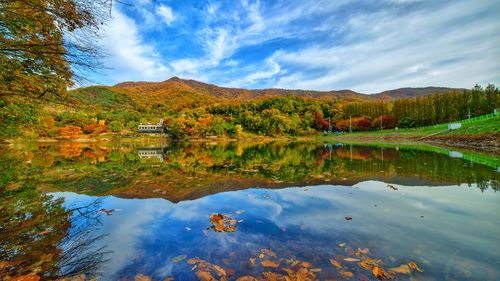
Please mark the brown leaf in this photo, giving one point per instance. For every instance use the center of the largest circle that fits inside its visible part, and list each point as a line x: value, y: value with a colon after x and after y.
x: 252, y: 261
x: 269, y: 263
x: 413, y: 265
x: 364, y: 251
x: 247, y: 278
x: 335, y: 263
x: 204, y: 276
x: 194, y: 260
x: 29, y: 277
x: 346, y: 273
x: 306, y: 264
x: 270, y: 276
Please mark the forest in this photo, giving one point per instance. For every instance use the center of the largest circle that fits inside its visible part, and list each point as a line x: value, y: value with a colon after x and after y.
x: 194, y: 115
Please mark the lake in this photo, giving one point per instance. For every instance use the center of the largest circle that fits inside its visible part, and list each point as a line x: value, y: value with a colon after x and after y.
x: 248, y: 211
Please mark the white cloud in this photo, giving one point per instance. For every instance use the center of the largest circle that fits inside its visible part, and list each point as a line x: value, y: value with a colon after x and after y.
x: 130, y: 58
x: 386, y: 51
x: 166, y: 14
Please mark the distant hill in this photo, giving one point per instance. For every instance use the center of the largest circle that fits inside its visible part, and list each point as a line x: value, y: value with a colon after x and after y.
x: 176, y: 83
x: 177, y: 94
x: 413, y: 92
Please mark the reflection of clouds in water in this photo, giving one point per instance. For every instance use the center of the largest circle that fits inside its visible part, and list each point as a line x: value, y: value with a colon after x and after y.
x: 126, y: 228
x: 292, y: 216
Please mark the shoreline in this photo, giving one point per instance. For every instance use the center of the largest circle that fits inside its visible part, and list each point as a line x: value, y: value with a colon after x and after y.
x: 480, y: 143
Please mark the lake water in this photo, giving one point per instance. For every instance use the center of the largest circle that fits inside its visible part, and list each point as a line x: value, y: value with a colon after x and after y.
x: 305, y: 210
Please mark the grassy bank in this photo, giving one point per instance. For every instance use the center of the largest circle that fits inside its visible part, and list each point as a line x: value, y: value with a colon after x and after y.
x: 475, y: 133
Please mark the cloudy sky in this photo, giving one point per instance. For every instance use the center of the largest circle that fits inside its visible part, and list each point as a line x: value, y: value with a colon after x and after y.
x: 367, y: 46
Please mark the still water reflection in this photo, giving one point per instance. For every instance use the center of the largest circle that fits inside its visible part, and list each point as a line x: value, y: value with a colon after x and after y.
x: 311, y: 209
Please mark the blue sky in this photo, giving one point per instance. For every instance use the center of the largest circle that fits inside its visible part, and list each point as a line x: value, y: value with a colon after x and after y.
x: 367, y: 46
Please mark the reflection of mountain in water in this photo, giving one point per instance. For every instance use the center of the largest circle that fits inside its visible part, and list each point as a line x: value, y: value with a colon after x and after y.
x: 181, y: 171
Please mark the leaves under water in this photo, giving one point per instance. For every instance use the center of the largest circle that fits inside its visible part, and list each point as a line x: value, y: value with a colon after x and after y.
x: 223, y: 223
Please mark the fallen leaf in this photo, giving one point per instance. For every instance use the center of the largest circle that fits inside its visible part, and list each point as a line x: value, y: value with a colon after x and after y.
x: 270, y: 276
x: 269, y: 263
x: 335, y: 263
x: 413, y: 265
x: 363, y: 251
x: 381, y: 274
x: 178, y: 258
x: 306, y: 264
x: 404, y: 269
x: 316, y: 269
x: 346, y: 273
x: 141, y: 277
x: 252, y: 261
x: 194, y: 260
x: 342, y: 245
x: 351, y: 259
x: 170, y: 278
x: 348, y: 218
x: 295, y: 262
x: 247, y: 278
x: 261, y: 256
x: 205, y: 276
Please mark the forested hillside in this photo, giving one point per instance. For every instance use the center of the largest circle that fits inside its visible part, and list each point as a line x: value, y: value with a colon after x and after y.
x: 193, y: 109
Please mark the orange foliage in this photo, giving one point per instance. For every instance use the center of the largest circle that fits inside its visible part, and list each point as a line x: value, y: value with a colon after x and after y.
x: 70, y: 132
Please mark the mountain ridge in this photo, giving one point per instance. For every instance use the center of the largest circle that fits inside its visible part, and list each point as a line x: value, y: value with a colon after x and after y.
x: 247, y: 94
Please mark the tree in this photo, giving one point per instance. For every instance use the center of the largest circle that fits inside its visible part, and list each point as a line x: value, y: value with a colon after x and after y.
x: 115, y: 126
x: 71, y: 132
x: 406, y: 122
x: 47, y: 45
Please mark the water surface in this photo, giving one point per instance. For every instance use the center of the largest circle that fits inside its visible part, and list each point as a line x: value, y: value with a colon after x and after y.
x: 144, y: 209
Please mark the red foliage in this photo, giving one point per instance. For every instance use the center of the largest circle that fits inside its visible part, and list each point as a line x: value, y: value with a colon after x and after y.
x: 319, y: 122
x: 388, y: 122
x: 361, y: 124
x: 95, y: 129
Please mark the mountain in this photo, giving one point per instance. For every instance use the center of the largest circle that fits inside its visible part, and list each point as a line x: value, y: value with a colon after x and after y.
x: 176, y: 94
x: 413, y: 92
x: 215, y: 91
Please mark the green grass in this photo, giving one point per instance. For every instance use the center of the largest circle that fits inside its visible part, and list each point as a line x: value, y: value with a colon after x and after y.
x: 475, y: 127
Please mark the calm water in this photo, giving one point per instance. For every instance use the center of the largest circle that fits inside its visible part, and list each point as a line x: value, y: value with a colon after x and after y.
x: 127, y: 211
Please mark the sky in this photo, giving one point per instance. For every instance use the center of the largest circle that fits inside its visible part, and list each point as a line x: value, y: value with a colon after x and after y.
x: 366, y: 46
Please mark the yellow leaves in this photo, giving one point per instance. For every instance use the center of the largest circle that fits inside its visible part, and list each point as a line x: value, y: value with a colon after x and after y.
x: 404, y: 269
x: 368, y: 263
x: 222, y: 223
x: 141, y: 277
x: 269, y: 263
x: 381, y: 274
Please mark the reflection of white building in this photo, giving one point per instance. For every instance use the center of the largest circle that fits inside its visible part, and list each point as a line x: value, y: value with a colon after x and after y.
x: 150, y: 128
x: 150, y: 153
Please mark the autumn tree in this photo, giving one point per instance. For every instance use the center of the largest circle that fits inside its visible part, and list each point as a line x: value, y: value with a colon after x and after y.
x: 48, y: 45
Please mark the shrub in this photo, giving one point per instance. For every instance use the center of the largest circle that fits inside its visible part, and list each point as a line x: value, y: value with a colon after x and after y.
x: 115, y: 126
x: 70, y: 132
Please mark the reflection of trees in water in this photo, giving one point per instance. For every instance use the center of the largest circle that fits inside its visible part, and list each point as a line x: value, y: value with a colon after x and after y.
x: 101, y: 169
x: 39, y: 236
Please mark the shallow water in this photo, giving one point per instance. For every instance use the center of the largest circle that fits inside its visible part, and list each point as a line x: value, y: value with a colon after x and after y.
x: 307, y: 202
